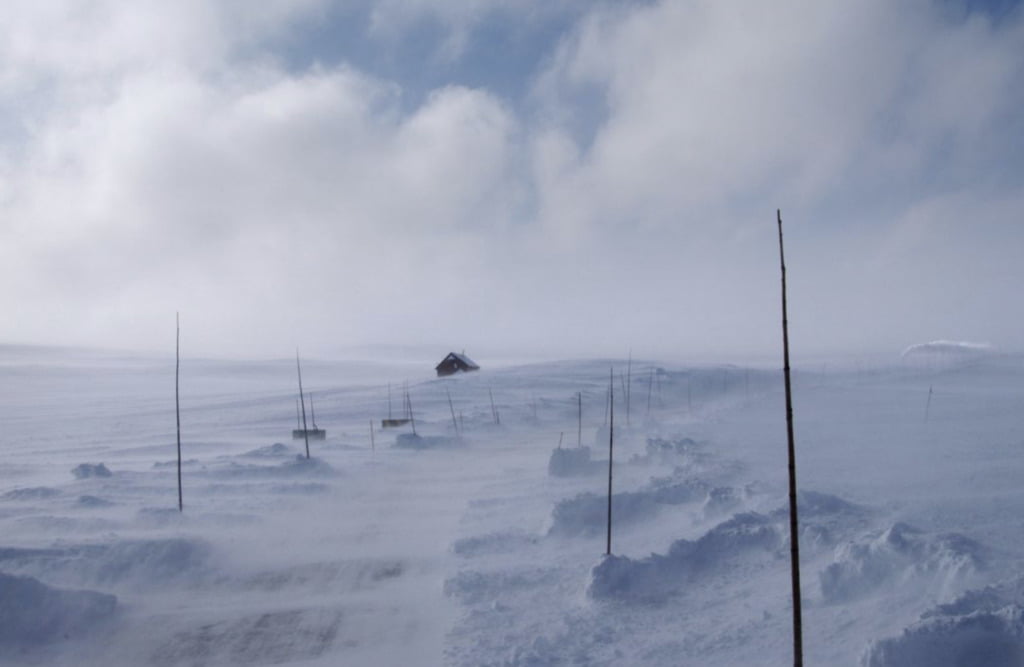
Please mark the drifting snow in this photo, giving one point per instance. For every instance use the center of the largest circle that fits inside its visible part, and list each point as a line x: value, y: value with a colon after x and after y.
x: 33, y: 613
x: 895, y: 557
x: 586, y: 514
x: 485, y: 549
x: 657, y: 576
x: 32, y: 493
x: 87, y: 470
x: 982, y: 627
x: 572, y: 461
x: 414, y: 441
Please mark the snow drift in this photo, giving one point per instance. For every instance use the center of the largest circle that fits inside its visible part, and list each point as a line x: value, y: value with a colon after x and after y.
x: 33, y: 613
x: 982, y: 627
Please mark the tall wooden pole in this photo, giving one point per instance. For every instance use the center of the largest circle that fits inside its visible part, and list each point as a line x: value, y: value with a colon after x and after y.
x: 408, y: 406
x: 451, y: 407
x: 579, y: 419
x: 629, y: 383
x: 177, y: 402
x: 494, y: 411
x: 794, y: 545
x: 302, y: 400
x: 650, y: 390
x: 611, y: 441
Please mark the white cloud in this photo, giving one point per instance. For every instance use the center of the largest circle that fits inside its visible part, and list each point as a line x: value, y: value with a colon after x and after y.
x: 178, y: 165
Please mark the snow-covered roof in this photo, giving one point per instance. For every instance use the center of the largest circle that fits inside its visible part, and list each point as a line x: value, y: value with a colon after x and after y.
x: 461, y: 358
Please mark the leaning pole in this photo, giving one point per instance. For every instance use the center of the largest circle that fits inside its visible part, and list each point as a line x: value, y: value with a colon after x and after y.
x: 177, y: 402
x: 794, y: 546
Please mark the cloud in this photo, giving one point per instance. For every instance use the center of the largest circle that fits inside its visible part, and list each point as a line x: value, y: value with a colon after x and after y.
x: 626, y: 199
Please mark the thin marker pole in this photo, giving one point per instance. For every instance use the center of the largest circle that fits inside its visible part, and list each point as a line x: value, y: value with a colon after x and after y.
x: 650, y: 390
x: 579, y: 419
x: 794, y: 546
x: 629, y: 383
x: 408, y: 403
x: 302, y: 400
x: 611, y: 440
x: 177, y: 402
x: 451, y: 407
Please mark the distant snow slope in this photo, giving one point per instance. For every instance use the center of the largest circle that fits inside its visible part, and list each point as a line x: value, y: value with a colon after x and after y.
x: 478, y: 543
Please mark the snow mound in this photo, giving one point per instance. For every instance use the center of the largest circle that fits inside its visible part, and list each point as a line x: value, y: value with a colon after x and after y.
x: 270, y: 451
x: 274, y: 637
x: 666, y: 451
x: 346, y: 575
x: 982, y: 627
x: 898, y: 554
x: 944, y: 354
x: 174, y: 464
x: 87, y: 470
x: 492, y: 543
x: 31, y: 493
x: 93, y: 501
x: 414, y: 441
x: 658, y: 576
x: 950, y: 348
x: 33, y: 613
x: 300, y: 465
x: 572, y: 461
x: 474, y: 587
x: 140, y: 562
x: 587, y: 513
x: 720, y: 501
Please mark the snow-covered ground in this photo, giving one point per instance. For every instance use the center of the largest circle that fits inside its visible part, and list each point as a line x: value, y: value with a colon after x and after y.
x: 485, y: 547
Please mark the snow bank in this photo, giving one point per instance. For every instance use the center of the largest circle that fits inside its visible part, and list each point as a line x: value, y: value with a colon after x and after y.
x: 174, y: 464
x: 414, y: 441
x: 898, y: 554
x: 571, y: 461
x: 587, y: 513
x: 33, y: 613
x: 354, y: 575
x: 299, y: 465
x: 139, y: 562
x: 273, y: 637
x: 662, y: 450
x: 474, y: 587
x: 658, y: 576
x: 493, y: 543
x: 941, y: 354
x: 93, y: 501
x: 86, y: 470
x: 721, y: 501
x: 31, y: 493
x: 982, y: 627
x: 270, y: 451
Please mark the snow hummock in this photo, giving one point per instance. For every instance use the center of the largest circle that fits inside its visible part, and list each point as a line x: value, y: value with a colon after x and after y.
x: 946, y: 350
x: 33, y: 613
x: 896, y: 555
x: 86, y: 470
x: 981, y: 627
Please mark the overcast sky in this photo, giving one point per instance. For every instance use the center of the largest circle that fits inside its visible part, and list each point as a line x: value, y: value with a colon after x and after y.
x: 546, y: 176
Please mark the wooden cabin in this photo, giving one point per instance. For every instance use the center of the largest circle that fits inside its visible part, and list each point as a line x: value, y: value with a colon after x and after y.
x: 455, y: 363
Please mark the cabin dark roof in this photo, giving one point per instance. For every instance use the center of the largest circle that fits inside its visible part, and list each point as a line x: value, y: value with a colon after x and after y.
x: 460, y: 360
